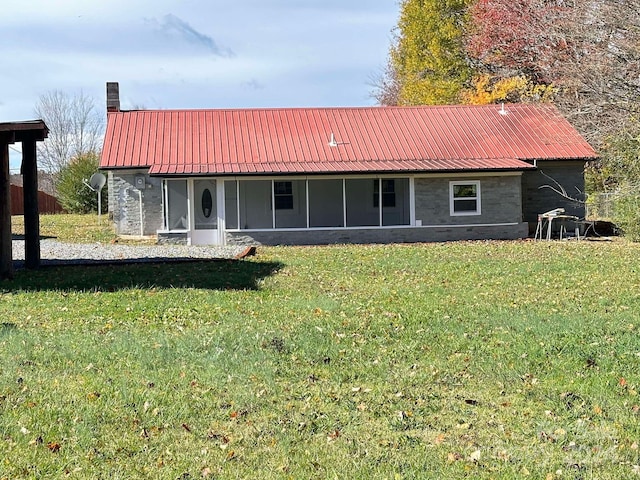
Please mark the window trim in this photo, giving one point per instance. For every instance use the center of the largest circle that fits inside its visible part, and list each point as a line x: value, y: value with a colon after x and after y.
x: 453, y: 199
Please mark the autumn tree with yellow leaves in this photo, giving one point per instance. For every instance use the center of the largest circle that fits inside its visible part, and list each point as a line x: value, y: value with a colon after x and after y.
x: 427, y: 61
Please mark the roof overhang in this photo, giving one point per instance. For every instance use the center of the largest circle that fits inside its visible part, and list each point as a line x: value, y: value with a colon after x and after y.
x: 347, y: 168
x: 27, y: 130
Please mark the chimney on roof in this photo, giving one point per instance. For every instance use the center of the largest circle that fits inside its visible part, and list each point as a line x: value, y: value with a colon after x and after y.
x: 113, y: 97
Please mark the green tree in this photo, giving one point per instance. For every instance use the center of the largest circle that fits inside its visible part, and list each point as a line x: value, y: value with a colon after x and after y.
x: 427, y: 61
x: 73, y: 193
x: 617, y: 174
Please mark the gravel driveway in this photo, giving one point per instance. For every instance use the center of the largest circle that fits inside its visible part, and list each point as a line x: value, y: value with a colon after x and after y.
x: 53, y: 252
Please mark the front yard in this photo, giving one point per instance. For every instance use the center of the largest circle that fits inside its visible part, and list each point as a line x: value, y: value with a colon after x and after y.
x: 474, y: 359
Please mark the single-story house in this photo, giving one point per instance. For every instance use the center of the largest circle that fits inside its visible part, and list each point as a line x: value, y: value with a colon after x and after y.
x: 339, y: 175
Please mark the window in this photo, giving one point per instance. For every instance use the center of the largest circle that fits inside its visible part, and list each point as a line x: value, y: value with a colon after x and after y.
x: 388, y: 192
x: 464, y: 198
x: 176, y: 213
x: 283, y: 195
x: 206, y: 203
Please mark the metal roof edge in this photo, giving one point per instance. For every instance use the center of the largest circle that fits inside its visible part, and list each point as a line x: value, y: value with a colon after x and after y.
x: 342, y: 107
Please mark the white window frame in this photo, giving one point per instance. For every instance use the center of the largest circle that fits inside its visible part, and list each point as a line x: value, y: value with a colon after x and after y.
x: 287, y: 195
x: 477, y: 198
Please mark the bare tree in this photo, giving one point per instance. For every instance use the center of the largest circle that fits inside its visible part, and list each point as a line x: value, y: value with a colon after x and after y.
x: 386, y: 86
x: 75, y: 128
x: 600, y: 72
x: 587, y: 50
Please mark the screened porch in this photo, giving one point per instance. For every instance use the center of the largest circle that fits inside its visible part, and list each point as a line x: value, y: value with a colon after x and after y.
x: 309, y: 203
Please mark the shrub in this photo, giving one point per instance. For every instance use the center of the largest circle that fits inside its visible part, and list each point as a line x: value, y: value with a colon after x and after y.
x: 626, y: 213
x: 73, y: 193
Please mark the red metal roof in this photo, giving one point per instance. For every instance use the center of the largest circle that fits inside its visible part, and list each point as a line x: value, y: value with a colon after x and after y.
x: 367, y: 139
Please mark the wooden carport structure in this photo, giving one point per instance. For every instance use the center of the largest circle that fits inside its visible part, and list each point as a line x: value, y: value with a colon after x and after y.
x: 28, y: 133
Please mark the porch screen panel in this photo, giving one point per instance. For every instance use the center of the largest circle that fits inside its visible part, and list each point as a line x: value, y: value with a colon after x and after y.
x: 361, y: 211
x: 255, y: 204
x: 326, y: 203
x: 290, y: 198
x: 177, y: 210
x: 396, y: 212
x: 231, y: 204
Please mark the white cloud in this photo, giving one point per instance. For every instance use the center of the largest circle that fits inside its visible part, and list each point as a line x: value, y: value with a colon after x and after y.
x: 195, y: 53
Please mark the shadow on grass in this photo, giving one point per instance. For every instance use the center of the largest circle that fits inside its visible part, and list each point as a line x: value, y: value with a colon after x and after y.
x: 207, y: 274
x: 19, y: 236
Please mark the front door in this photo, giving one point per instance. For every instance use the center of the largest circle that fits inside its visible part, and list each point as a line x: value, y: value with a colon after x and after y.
x: 205, y: 213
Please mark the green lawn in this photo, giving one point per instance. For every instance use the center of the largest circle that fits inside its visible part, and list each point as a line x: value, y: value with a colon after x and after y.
x: 70, y: 227
x: 474, y: 359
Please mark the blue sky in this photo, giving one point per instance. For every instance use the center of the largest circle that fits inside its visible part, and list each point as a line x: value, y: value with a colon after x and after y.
x: 194, y: 53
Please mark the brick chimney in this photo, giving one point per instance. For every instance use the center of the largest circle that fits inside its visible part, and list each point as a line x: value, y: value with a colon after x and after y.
x: 113, y: 97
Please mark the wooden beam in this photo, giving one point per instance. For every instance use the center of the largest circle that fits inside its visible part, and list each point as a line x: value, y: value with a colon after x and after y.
x: 31, y: 209
x: 6, y: 246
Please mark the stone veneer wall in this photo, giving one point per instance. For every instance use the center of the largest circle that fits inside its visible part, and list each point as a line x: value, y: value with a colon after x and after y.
x: 124, y: 202
x: 500, y: 197
x: 377, y: 235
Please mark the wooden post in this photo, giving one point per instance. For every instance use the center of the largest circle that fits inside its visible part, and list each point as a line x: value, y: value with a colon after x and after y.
x: 31, y: 210
x: 6, y: 246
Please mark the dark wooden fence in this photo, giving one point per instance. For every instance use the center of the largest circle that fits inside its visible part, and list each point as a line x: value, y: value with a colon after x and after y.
x: 46, y: 202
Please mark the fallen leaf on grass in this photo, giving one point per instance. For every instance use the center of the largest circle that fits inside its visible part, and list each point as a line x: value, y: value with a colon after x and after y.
x: 475, y: 456
x: 218, y: 436
x: 53, y: 447
x: 93, y: 396
x: 453, y: 457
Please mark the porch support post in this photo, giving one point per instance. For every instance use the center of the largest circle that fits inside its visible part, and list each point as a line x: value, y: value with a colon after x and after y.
x: 6, y: 247
x: 306, y: 192
x: 222, y: 223
x: 31, y: 209
x: 273, y: 205
x: 344, y: 203
x: 191, y: 205
x: 380, y: 204
x: 412, y: 201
